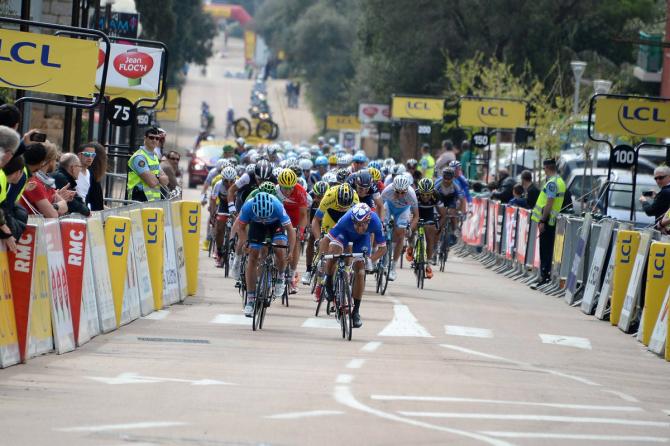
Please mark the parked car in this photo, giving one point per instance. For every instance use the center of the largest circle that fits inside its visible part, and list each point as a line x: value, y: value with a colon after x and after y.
x: 574, y: 160
x: 619, y: 196
x: 202, y: 161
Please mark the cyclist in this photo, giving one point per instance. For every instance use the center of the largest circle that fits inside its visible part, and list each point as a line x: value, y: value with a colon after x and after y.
x: 321, y: 164
x: 429, y: 203
x: 358, y: 162
x: 220, y: 192
x: 316, y: 194
x: 266, y: 218
x: 294, y: 198
x: 461, y: 180
x: 377, y: 178
x: 273, y: 152
x: 400, y: 202
x: 267, y: 186
x: 332, y: 161
x: 411, y: 166
x: 451, y: 196
x: 355, y: 227
x: 213, y: 172
x: 367, y: 190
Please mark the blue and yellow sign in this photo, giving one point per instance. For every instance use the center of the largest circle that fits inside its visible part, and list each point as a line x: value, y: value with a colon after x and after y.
x: 627, y: 244
x: 49, y: 64
x: 190, y: 229
x: 117, y: 241
x: 658, y: 281
x: 492, y: 113
x: 424, y: 109
x: 633, y: 117
x: 154, y: 234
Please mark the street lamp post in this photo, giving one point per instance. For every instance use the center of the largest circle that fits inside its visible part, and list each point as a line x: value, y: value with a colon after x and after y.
x: 601, y: 86
x: 578, y: 68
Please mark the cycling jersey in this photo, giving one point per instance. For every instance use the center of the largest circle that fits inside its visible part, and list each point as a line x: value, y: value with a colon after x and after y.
x: 220, y: 192
x: 313, y: 204
x: 245, y: 184
x: 344, y: 233
x: 278, y: 213
x: 427, y: 205
x: 372, y: 195
x: 329, y: 211
x: 450, y: 194
x: 293, y: 202
x: 398, y: 206
x: 271, y: 227
x: 465, y: 187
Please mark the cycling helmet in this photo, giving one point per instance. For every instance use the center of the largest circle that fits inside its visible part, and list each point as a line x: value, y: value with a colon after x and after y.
x: 251, y: 168
x: 345, y: 195
x: 228, y: 173
x: 321, y: 161
x: 389, y: 162
x: 448, y: 173
x: 401, y: 183
x: 305, y: 155
x: 276, y: 171
x: 262, y: 206
x: 320, y: 188
x: 305, y: 164
x: 240, y: 141
x: 332, y: 160
x: 411, y: 162
x: 346, y: 159
x: 296, y: 169
x: 455, y: 164
x: 425, y: 185
x: 267, y: 187
x: 398, y: 169
x: 361, y: 212
x: 240, y: 170
x: 363, y: 179
x: 375, y: 173
x: 272, y: 148
x: 332, y: 141
x: 287, y: 178
x: 219, y: 164
x: 360, y: 158
x: 330, y: 178
x: 342, y: 175
x: 263, y: 170
x: 376, y: 164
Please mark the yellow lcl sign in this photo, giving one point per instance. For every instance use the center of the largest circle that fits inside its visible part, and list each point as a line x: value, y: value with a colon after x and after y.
x: 637, y: 117
x: 342, y: 122
x: 424, y: 109
x: 492, y: 113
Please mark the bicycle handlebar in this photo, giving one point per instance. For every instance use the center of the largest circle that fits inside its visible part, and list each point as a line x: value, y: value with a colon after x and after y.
x: 274, y: 245
x: 355, y: 255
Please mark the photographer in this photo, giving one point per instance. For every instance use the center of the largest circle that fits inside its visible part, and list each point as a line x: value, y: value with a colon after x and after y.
x: 657, y: 204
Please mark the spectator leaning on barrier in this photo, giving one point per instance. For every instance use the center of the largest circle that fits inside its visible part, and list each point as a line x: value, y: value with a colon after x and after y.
x: 427, y: 162
x: 95, y: 196
x: 144, y: 173
x: 518, y: 199
x: 9, y: 141
x: 41, y: 196
x: 665, y: 223
x: 86, y: 155
x: 661, y: 201
x: 546, y: 210
x: 15, y: 216
x: 531, y: 190
x: 468, y: 160
x: 504, y: 187
x: 68, y: 170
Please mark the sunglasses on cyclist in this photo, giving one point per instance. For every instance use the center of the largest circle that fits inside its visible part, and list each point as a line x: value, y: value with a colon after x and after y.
x: 401, y: 192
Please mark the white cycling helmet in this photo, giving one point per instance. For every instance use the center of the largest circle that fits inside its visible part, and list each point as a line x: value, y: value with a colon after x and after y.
x: 305, y: 164
x: 276, y: 171
x: 250, y: 168
x: 398, y: 169
x: 228, y: 173
x: 401, y: 183
x: 220, y: 164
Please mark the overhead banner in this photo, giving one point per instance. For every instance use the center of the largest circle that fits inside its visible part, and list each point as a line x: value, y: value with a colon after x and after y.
x: 374, y: 112
x: 132, y: 69
x: 48, y: 64
x: 492, y: 113
x: 342, y: 122
x: 632, y: 117
x: 417, y: 108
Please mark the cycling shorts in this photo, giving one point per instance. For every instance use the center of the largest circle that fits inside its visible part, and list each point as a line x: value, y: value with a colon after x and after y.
x: 402, y: 216
x: 259, y: 232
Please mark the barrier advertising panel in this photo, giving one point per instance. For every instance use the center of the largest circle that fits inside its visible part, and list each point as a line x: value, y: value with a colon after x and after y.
x: 103, y: 283
x: 141, y: 263
x: 130, y: 309
x: 22, y: 268
x: 40, y: 334
x: 9, y: 341
x: 658, y: 281
x: 154, y: 224
x: 522, y: 235
x: 170, y: 274
x: 61, y: 313
x: 625, y: 251
x: 88, y: 301
x: 491, y: 227
x: 595, y: 274
x: 179, y: 248
x: 630, y: 304
x: 659, y: 337
x: 190, y: 225
x: 510, y: 232
x: 73, y: 233
x: 576, y: 271
x: 117, y: 233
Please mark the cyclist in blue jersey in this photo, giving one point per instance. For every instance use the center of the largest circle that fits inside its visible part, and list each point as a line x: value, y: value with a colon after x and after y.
x: 266, y: 218
x: 355, y: 227
x: 400, y: 203
x: 461, y: 180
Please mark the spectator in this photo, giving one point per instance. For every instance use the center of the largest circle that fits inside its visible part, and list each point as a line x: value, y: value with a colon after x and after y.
x: 468, y: 160
x: 532, y: 192
x: 66, y: 175
x: 170, y: 166
x: 661, y: 200
x: 9, y: 141
x: 15, y: 216
x: 10, y: 116
x: 504, y: 187
x: 230, y: 119
x: 518, y: 200
x: 665, y: 223
x: 427, y: 162
x: 40, y: 195
x: 86, y: 155
x: 98, y: 169
x: 446, y: 156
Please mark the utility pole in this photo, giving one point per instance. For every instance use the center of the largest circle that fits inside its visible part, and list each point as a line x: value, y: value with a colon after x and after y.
x: 665, y: 81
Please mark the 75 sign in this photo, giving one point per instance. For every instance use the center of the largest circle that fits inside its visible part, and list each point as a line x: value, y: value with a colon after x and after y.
x: 120, y: 112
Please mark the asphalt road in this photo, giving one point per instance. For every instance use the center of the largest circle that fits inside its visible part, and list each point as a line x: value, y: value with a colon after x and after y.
x: 474, y: 358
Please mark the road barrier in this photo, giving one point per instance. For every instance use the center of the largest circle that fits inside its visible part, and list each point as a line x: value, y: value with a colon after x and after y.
x: 72, y: 279
x: 604, y: 267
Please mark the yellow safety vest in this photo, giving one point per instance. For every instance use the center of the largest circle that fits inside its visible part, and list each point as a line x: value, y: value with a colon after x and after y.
x: 429, y: 170
x: 3, y: 186
x: 134, y: 179
x: 542, y: 201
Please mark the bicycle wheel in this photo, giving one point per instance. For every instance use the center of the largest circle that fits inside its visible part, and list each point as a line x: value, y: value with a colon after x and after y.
x: 284, y: 296
x: 420, y: 274
x: 261, y: 291
x: 347, y: 308
x: 318, y: 304
x: 387, y: 271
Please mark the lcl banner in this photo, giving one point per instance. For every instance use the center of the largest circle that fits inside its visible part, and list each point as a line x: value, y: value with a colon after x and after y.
x: 425, y: 109
x: 131, y: 69
x: 342, y: 122
x: 632, y: 117
x: 48, y: 64
x: 374, y: 112
x: 492, y: 113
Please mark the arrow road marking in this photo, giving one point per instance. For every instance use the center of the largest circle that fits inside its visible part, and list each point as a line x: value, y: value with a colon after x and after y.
x: 404, y: 324
x: 134, y: 378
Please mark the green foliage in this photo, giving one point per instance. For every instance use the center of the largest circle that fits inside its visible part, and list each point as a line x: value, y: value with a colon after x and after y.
x: 184, y: 27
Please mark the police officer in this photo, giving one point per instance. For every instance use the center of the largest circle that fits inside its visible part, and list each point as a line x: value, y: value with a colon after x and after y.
x: 145, y: 177
x: 545, y: 213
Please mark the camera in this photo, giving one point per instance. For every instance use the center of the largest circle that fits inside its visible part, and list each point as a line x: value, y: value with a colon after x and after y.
x: 38, y: 137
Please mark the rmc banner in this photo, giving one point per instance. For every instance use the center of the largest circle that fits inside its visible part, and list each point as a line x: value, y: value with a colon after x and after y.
x: 48, y: 64
x: 425, y: 109
x: 492, y: 113
x: 632, y: 116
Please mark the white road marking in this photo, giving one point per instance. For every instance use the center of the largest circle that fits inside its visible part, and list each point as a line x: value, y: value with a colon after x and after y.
x: 320, y: 322
x: 116, y: 427
x: 518, y: 403
x: 473, y: 332
x: 134, y: 378
x: 567, y: 341
x: 312, y: 413
x: 343, y: 396
x: 344, y: 378
x: 623, y: 396
x: 588, y: 382
x: 532, y: 417
x: 404, y: 324
x: 234, y: 319
x: 157, y: 315
x: 371, y: 346
x: 666, y: 411
x: 356, y: 363
x: 588, y: 437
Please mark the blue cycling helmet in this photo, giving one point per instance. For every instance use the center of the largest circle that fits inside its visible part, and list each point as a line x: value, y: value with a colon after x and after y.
x: 262, y: 206
x: 321, y: 161
x: 361, y: 212
x: 360, y: 158
x: 376, y: 164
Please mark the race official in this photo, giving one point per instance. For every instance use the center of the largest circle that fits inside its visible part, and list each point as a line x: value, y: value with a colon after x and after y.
x: 545, y: 213
x: 427, y: 162
x: 145, y: 177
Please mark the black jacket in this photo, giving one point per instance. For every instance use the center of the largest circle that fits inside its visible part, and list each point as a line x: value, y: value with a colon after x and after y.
x: 531, y: 195
x: 660, y: 205
x: 95, y: 197
x: 77, y: 205
x: 504, y: 191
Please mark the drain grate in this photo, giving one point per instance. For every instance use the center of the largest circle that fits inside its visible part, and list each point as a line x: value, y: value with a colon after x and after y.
x: 182, y: 341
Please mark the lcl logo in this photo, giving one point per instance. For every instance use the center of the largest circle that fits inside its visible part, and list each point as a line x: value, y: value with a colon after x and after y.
x: 417, y: 105
x: 119, y: 240
x: 659, y: 264
x: 641, y: 120
x: 493, y: 111
x: 26, y: 53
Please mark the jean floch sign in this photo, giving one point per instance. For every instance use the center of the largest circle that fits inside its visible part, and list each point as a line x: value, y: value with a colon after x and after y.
x: 48, y: 64
x: 131, y: 69
x: 492, y: 113
x: 632, y: 117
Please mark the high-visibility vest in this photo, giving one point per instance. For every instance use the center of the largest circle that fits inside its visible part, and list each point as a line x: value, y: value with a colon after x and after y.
x: 134, y: 179
x: 542, y: 201
x: 3, y: 186
x: 25, y: 183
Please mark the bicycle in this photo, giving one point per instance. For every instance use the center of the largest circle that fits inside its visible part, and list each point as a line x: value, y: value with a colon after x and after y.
x: 265, y: 285
x: 227, y: 247
x: 342, y: 285
x: 287, y: 281
x: 420, y: 260
x: 384, y: 265
x: 443, y: 245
